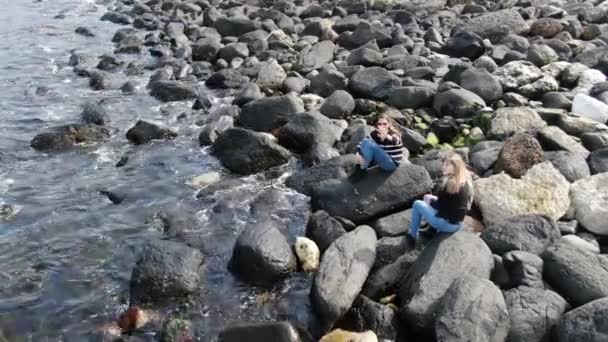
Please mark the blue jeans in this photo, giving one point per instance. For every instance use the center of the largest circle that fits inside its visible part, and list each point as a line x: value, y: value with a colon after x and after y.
x: 420, y: 209
x: 373, y: 154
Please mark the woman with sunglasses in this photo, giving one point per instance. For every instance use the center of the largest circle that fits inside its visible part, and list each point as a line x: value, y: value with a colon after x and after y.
x: 382, y: 147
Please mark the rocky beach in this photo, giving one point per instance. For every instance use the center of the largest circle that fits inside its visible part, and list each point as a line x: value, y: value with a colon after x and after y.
x: 162, y: 161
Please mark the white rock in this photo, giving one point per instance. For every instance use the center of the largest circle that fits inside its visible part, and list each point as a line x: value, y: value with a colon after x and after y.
x: 590, y: 199
x: 581, y: 243
x: 517, y: 73
x: 588, y: 107
x: 271, y: 75
x: 311, y: 101
x: 308, y: 253
x: 555, y: 69
x: 340, y: 335
x: 542, y: 190
x: 587, y: 80
x: 510, y: 120
x: 205, y: 179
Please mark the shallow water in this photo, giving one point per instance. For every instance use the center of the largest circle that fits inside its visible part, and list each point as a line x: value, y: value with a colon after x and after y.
x: 67, y: 256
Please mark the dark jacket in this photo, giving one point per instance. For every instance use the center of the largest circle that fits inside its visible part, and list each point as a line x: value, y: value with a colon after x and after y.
x: 454, y: 207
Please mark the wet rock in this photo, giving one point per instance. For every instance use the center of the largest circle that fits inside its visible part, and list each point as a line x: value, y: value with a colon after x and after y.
x: 510, y: 120
x: 115, y: 196
x: 250, y: 92
x: 62, y: 138
x: 84, y: 31
x: 130, y: 44
x: 445, y: 259
x: 95, y: 113
x: 269, y: 113
x: 260, y: 331
x: 323, y: 229
x: 234, y: 26
x: 393, y: 225
x: 246, y: 152
x: 571, y: 164
x: 340, y: 104
x: 589, y: 198
x: 232, y: 51
x: 367, y: 315
x: 212, y: 130
x: 472, y: 309
x: 167, y: 91
x: 534, y: 312
x: 412, y: 97
x: 165, y: 270
x: 176, y: 330
x: 262, y: 255
x: 128, y: 88
x: 530, y: 233
x: 343, y: 270
x: 304, y: 180
x: 587, y: 322
x: 206, y: 49
x: 518, y: 154
x: 117, y: 18
x: 542, y: 190
x: 525, y: 269
x: 144, y: 132
x: 327, y: 82
x: 314, y: 57
x: 271, y: 76
x: 457, y: 102
x: 598, y: 161
x: 372, y: 83
x: 578, y: 275
x: 227, y: 79
x: 304, y: 130
x: 102, y: 80
x: 398, y: 188
x: 496, y: 25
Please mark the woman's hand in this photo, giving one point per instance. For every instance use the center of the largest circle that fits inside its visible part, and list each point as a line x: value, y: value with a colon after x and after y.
x: 359, y: 159
x: 428, y: 198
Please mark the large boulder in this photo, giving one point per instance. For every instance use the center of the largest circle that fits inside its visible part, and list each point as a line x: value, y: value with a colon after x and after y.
x: 445, y: 259
x: 510, y: 120
x: 167, y: 91
x: 373, y: 83
x: 364, y: 33
x: 473, y: 309
x: 482, y: 83
x: 323, y: 229
x: 266, y: 114
x: 271, y: 75
x: 518, y: 154
x: 385, y: 281
x: 314, y: 57
x: 327, y: 82
x: 390, y: 248
x: 144, y: 132
x: 338, y: 105
x: 517, y: 73
x: 413, y: 97
x: 245, y: 152
x: 304, y: 180
x: 483, y: 155
x: 591, y: 108
x: 260, y: 331
x: 304, y: 130
x: 553, y: 138
x: 579, y: 275
x: 373, y: 195
x: 530, y: 233
x: 590, y: 200
x: 542, y: 190
x: 165, y: 270
x: 571, y: 164
x: 533, y: 313
x: 366, y: 314
x: 343, y: 270
x: 95, y: 113
x: 524, y: 269
x: 587, y: 323
x: 393, y: 225
x: 459, y: 103
x: 65, y: 137
x: 235, y: 26
x: 465, y: 44
x: 262, y: 255
x: 496, y: 25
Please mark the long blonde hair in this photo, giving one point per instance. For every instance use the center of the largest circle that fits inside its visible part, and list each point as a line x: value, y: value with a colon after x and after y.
x: 392, y: 124
x: 452, y: 183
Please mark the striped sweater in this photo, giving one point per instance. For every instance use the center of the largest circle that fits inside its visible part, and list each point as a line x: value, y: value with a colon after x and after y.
x: 392, y: 145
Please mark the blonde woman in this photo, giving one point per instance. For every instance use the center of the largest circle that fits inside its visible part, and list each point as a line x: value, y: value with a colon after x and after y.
x: 446, y: 211
x: 383, y: 147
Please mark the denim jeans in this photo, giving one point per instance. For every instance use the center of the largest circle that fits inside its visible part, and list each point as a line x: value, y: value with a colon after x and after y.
x: 420, y: 209
x: 373, y: 154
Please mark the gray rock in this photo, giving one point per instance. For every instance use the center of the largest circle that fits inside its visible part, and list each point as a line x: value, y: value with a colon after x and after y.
x: 372, y: 83
x: 385, y: 281
x: 586, y: 323
x: 598, y: 161
x: 271, y: 76
x: 572, y: 165
x: 412, y: 140
x: 304, y: 180
x: 167, y: 91
x: 95, y: 113
x: 534, y: 312
x: 249, y: 93
x: 473, y: 309
x: 412, y: 97
x: 262, y: 255
x: 327, y: 82
x: 484, y: 156
x: 590, y: 199
x: 144, y: 132
x: 398, y: 189
x: 314, y: 57
x: 365, y: 56
x: 269, y: 113
x: 459, y: 103
x: 342, y: 272
x: 234, y: 26
x: 165, y: 270
x: 530, y: 233
x: 393, y: 225
x: 389, y: 249
x: 323, y: 229
x: 63, y: 138
x: 260, y: 331
x: 579, y: 275
x: 365, y: 314
x: 553, y: 138
x: 595, y: 140
x: 246, y: 152
x: 496, y: 25
x: 541, y: 55
x: 295, y: 84
x: 465, y: 44
x: 364, y: 33
x: 212, y: 130
x: 517, y: 73
x: 524, y: 269
x: 304, y: 130
x: 445, y: 259
x: 482, y: 83
x: 508, y: 121
x: 340, y: 104
x: 233, y: 50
